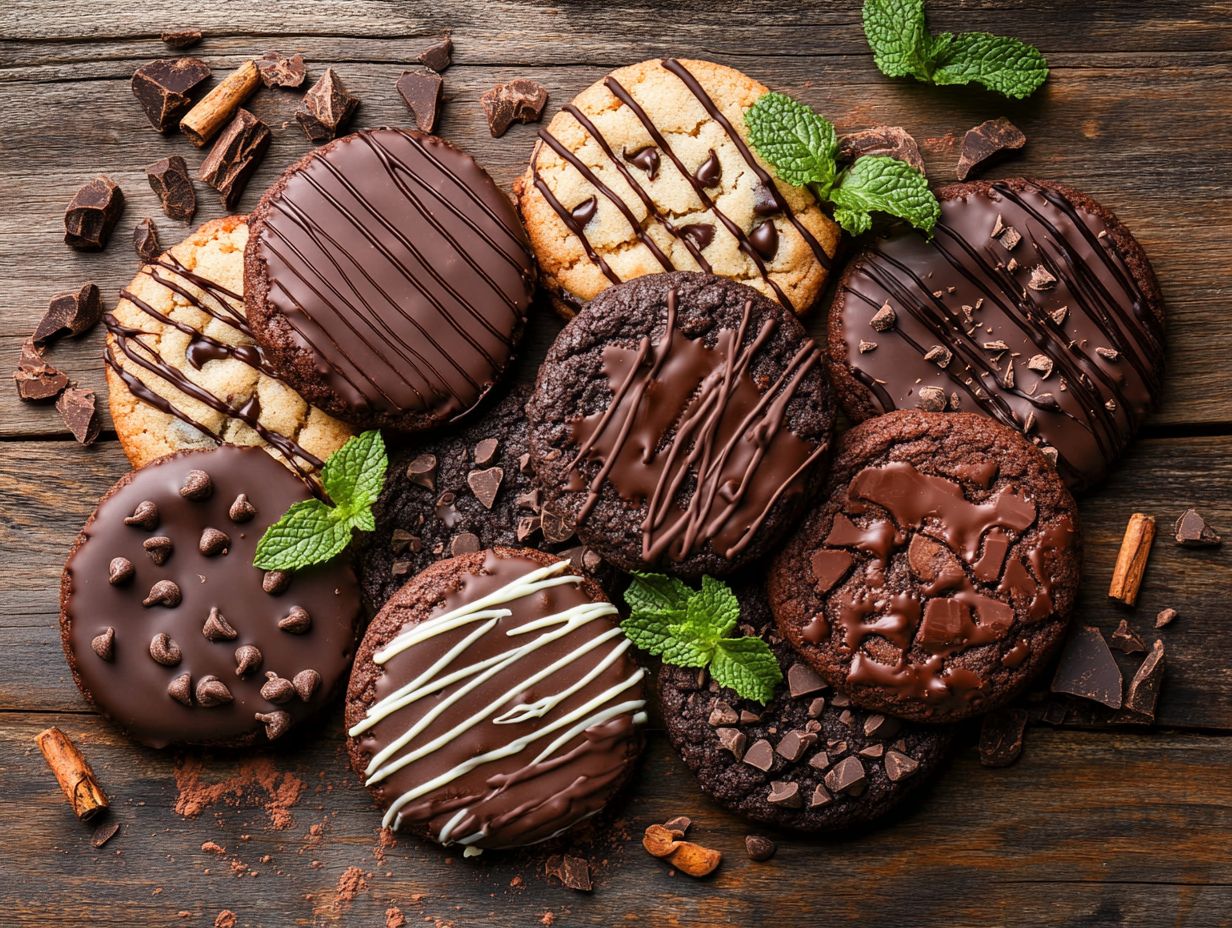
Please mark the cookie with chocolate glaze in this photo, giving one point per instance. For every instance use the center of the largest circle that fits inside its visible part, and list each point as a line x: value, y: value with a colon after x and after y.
x: 494, y: 702
x: 809, y: 759
x: 387, y: 278
x: 650, y: 170
x: 171, y: 631
x: 1031, y: 304
x: 937, y: 579
x: 680, y: 422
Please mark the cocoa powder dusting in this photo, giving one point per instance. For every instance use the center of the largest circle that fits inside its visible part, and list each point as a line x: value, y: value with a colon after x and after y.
x: 225, y: 919
x: 276, y: 791
x: 394, y: 918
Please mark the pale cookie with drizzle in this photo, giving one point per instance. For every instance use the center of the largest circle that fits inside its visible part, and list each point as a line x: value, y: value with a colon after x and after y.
x: 494, y: 701
x: 650, y: 170
x: 183, y: 371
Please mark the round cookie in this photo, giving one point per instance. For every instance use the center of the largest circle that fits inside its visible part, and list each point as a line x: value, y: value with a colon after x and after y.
x: 388, y: 279
x: 937, y: 579
x: 1031, y: 304
x: 681, y: 421
x: 650, y: 170
x: 469, y: 490
x: 494, y: 702
x: 168, y: 628
x: 183, y: 371
x: 809, y: 759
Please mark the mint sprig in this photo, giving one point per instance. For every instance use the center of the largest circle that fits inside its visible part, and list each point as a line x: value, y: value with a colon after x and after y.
x: 903, y: 47
x: 690, y: 628
x: 802, y: 147
x: 312, y: 531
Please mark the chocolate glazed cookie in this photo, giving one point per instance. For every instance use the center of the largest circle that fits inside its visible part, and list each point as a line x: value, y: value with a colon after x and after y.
x: 387, y: 278
x: 680, y: 421
x: 1031, y: 304
x: 938, y: 578
x: 809, y: 759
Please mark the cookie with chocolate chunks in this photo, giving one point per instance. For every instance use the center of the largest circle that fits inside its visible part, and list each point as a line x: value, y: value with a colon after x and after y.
x: 168, y: 627
x: 680, y: 423
x: 494, y: 701
x: 1031, y: 304
x: 808, y: 759
x: 937, y: 579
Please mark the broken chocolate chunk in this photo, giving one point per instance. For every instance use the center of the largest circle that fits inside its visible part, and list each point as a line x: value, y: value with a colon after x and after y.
x: 574, y: 872
x: 327, y: 105
x: 145, y: 241
x: 803, y: 679
x: 236, y: 153
x: 181, y: 38
x: 932, y: 399
x: 92, y: 214
x: 465, y: 543
x: 437, y: 56
x: 1143, y: 692
x: 422, y: 471
x: 520, y: 100
x: 174, y: 188
x: 890, y: 141
x: 164, y: 87
x: 723, y: 714
x: 279, y: 71
x: 986, y: 142
x: 785, y: 793
x: 759, y: 848
x: 883, y: 320
x: 1165, y: 617
x: 732, y: 739
x: 421, y: 92
x: 70, y: 314
x: 1125, y: 640
x: 486, y: 484
x: 36, y: 379
x: 104, y: 833
x: 847, y: 776
x: 1191, y: 531
x: 899, y: 766
x: 760, y: 755
x: 1087, y: 669
x: 1001, y: 737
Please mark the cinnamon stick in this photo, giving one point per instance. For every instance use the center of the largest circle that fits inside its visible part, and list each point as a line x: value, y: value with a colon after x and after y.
x: 1131, y: 559
x: 216, y: 108
x: 73, y: 772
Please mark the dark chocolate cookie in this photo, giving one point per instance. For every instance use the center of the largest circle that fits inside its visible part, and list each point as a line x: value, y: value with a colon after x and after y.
x: 809, y: 759
x: 494, y: 702
x: 681, y: 421
x: 938, y: 578
x: 170, y: 630
x: 1031, y: 304
x: 461, y: 492
x: 388, y: 279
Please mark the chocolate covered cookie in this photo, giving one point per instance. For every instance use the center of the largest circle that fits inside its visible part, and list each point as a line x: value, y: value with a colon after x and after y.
x: 650, y: 170
x: 388, y: 279
x: 809, y: 759
x: 938, y: 577
x: 172, y: 632
x: 494, y: 702
x: 1031, y: 304
x: 680, y: 422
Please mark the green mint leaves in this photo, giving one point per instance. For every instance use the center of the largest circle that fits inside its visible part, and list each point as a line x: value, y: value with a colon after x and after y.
x: 689, y: 628
x: 903, y: 47
x: 311, y: 531
x: 802, y: 147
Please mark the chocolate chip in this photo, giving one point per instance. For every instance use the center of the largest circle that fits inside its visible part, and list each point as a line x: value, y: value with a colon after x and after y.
x: 163, y: 593
x: 1191, y: 531
x: 306, y: 682
x: 821, y: 797
x: 698, y: 234
x: 785, y: 793
x: 723, y: 714
x: 71, y: 313
x: 172, y: 185
x: 803, y: 679
x: 422, y: 471
x: 932, y: 399
x: 1087, y: 669
x: 213, y: 542
x: 888, y: 141
x: 556, y: 527
x: 572, y: 871
x: 748, y: 718
x: 1125, y: 640
x: 36, y: 379
x: 180, y: 689
x: 759, y: 848
x: 760, y: 755
x: 276, y: 723
x: 145, y: 241
x: 104, y: 833
x: 939, y: 355
x: 765, y: 239
x: 104, y: 644
x: 986, y: 142
x: 520, y: 100
x: 437, y: 56
x: 1001, y: 735
x: 899, y: 766
x: 247, y: 659
x: 217, y: 628
x: 485, y: 451
x: 241, y: 510
x: 165, y: 651
x: 1143, y: 693
x: 296, y: 621
x: 872, y: 751
x: 159, y: 548
x: 79, y: 410
x: 464, y: 543
x: 1165, y: 617
x: 276, y: 689
x: 212, y: 692
x: 197, y: 485
x: 485, y: 484
x: 584, y: 211
x: 234, y: 156
x: 181, y: 38
x: 1108, y: 354
x: 420, y: 89
x: 327, y: 105
x: 164, y: 88
x: 847, y: 776
x: 278, y: 70
x: 710, y: 171
x: 275, y: 581
x: 120, y: 571
x: 816, y: 707
x: 646, y: 158
x: 793, y: 744
x: 733, y: 740
x: 883, y: 320
x: 881, y: 727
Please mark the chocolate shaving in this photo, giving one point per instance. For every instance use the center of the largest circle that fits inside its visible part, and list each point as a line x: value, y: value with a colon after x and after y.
x: 1125, y: 640
x: 164, y: 88
x: 420, y: 89
x: 92, y: 214
x: 237, y: 151
x: 987, y: 141
x: 574, y: 872
x: 327, y: 105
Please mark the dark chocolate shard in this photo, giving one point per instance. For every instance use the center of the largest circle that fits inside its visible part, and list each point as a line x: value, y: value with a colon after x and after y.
x: 164, y: 88
x: 79, y: 410
x: 987, y: 141
x: 174, y: 188
x: 437, y: 56
x: 327, y: 105
x: 71, y: 313
x: 277, y: 70
x: 889, y: 141
x: 145, y: 241
x: 92, y: 214
x: 1165, y: 617
x: 1001, y: 735
x: 181, y: 38
x: 1088, y: 670
x: 574, y: 872
x: 236, y: 153
x: 1191, y: 531
x: 1125, y: 640
x: 420, y: 89
x: 37, y: 380
x: 520, y: 100
x: 1143, y: 693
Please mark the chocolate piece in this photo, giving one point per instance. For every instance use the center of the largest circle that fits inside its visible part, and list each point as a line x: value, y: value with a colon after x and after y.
x: 277, y: 723
x: 180, y: 689
x: 485, y: 451
x: 520, y: 100
x: 422, y: 471
x: 698, y: 234
x: 159, y: 548
x: 103, y: 644
x: 760, y: 755
x: 988, y: 141
x: 213, y: 542
x: 327, y: 105
x: 164, y: 88
x: 847, y: 776
x: 120, y: 571
x: 793, y: 745
x: 584, y: 211
x: 145, y: 241
x: 197, y: 486
x: 420, y: 89
x: 165, y: 651
x: 1143, y: 691
x: 882, y: 727
x: 1043, y: 279
x: 1125, y: 640
x: 306, y: 683
x: 785, y: 793
x: 1088, y: 670
x: 932, y: 399
x: 174, y: 188
x: 1191, y: 531
x: 247, y: 659
x: 733, y: 740
x: 241, y: 510
x: 723, y: 714
x: 1001, y: 734
x: 464, y: 543
x: 889, y: 141
x: 1165, y: 617
x: 899, y: 766
x: 574, y: 872
x: 803, y: 679
x: 275, y: 581
x: 104, y: 833
x: 883, y: 320
x: 181, y: 38
x: 765, y: 239
x: 211, y: 692
x: 79, y: 410
x: 92, y: 214
x: 277, y: 70
x: 647, y: 159
x: 145, y: 516
x: 486, y: 484
x: 235, y: 155
x: 276, y: 689
x: 70, y: 314
x: 679, y: 825
x: 296, y: 622
x: 36, y: 379
x: 759, y: 848
x: 437, y: 56
x: 217, y: 628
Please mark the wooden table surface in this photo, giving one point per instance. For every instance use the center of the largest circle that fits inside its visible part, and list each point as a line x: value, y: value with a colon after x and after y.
x: 1123, y: 827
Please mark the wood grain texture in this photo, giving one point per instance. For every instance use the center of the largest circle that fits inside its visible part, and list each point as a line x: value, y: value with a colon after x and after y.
x: 1091, y: 828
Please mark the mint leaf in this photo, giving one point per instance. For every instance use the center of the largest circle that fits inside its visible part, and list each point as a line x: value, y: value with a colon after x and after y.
x: 713, y: 611
x: 1006, y: 65
x: 896, y: 33
x: 355, y: 473
x: 799, y: 143
x: 748, y: 666
x: 876, y: 183
x: 651, y: 633
x: 658, y: 595
x: 308, y: 533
